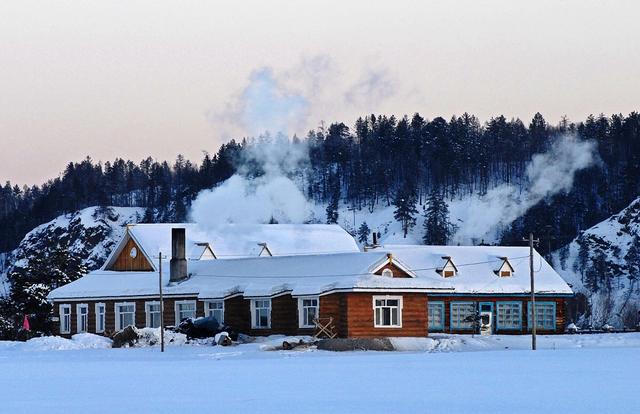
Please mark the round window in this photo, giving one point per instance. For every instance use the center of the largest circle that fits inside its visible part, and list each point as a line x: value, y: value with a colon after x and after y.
x: 133, y: 252
x: 387, y: 273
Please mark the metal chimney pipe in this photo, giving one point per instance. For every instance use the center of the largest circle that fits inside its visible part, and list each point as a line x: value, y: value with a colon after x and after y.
x: 178, y: 263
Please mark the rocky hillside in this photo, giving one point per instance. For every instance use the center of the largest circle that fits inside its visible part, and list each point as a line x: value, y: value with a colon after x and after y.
x: 603, y: 264
x: 90, y: 233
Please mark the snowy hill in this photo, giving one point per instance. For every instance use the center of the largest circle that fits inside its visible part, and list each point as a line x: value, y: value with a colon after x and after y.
x: 91, y: 233
x: 597, y: 265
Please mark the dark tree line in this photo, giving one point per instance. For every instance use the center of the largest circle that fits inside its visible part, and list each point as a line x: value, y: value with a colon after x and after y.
x: 380, y: 161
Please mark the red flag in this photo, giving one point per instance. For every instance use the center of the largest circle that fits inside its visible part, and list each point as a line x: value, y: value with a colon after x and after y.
x: 25, y: 324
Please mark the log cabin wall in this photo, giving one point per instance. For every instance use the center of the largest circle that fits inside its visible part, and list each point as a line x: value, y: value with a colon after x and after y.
x: 360, y: 315
x: 561, y: 319
x: 110, y: 316
x: 335, y: 306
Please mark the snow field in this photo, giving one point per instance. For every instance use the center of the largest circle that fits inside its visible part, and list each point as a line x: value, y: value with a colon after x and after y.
x: 570, y: 373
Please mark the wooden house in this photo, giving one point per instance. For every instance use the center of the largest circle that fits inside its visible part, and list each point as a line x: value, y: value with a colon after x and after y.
x: 387, y: 291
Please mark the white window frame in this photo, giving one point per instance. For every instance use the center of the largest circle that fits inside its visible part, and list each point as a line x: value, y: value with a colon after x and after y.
x: 147, y: 313
x: 387, y: 297
x: 64, y: 317
x: 117, y: 313
x: 101, y: 316
x: 82, y: 326
x: 184, y: 302
x: 302, y: 308
x: 387, y: 272
x: 254, y: 308
x: 210, y: 312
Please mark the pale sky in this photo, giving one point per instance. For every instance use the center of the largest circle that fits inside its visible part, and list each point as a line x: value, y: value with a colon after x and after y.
x: 135, y: 78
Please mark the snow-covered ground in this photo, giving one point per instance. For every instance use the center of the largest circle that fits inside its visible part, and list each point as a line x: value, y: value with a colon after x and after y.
x: 581, y: 373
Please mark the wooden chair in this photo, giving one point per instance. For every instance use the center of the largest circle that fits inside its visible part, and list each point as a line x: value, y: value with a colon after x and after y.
x: 325, y: 327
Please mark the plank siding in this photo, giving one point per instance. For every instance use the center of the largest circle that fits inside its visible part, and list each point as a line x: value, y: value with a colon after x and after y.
x: 124, y: 262
x: 397, y: 272
x: 560, y: 312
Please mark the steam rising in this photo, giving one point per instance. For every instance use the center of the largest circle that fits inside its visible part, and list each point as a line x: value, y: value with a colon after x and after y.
x: 548, y: 174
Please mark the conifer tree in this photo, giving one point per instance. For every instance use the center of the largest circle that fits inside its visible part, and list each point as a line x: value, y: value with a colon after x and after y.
x: 437, y: 228
x: 363, y: 233
x: 405, y: 212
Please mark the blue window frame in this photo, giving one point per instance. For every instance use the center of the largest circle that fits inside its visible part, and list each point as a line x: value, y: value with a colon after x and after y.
x: 545, y: 316
x: 435, y: 318
x: 459, y: 311
x: 509, y: 315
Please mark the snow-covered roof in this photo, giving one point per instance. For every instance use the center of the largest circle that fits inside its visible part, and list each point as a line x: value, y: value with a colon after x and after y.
x: 318, y: 274
x: 240, y: 240
x: 477, y: 268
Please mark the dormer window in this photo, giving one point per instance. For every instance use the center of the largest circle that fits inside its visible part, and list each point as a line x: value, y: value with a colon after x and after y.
x: 449, y: 269
x: 387, y: 273
x: 505, y: 269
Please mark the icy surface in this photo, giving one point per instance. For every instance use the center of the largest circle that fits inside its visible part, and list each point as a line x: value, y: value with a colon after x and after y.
x: 571, y: 373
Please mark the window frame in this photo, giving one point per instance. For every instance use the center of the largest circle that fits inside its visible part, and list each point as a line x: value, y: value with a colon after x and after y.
x: 399, y: 307
x: 457, y: 327
x: 79, y: 317
x: 62, y: 318
x: 301, y: 310
x: 543, y: 303
x: 508, y: 328
x: 254, y: 308
x: 387, y: 272
x: 147, y: 313
x: 440, y: 327
x: 117, y: 314
x: 101, y: 315
x: 209, y: 312
x: 176, y: 308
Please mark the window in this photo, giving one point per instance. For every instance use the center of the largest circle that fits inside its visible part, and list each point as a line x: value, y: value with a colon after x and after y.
x: 509, y: 315
x: 125, y: 315
x: 261, y: 313
x: 462, y: 314
x: 152, y: 310
x: 436, y: 316
x: 215, y: 308
x: 545, y: 316
x: 185, y: 309
x: 82, y: 317
x: 505, y: 273
x: 307, y: 312
x: 448, y: 273
x: 100, y: 310
x: 387, y: 273
x: 65, y: 319
x: 387, y: 311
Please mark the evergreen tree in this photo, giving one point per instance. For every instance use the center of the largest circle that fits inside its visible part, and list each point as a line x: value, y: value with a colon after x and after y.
x: 405, y: 212
x: 633, y: 260
x: 437, y: 228
x: 363, y: 233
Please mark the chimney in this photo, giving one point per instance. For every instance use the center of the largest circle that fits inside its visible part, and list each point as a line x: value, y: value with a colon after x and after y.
x: 375, y: 239
x: 178, y: 264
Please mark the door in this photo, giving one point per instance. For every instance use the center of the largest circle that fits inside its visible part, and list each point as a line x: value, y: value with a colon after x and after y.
x: 486, y: 318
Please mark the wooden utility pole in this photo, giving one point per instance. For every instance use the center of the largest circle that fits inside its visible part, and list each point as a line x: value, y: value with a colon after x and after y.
x: 533, y: 293
x: 161, y: 302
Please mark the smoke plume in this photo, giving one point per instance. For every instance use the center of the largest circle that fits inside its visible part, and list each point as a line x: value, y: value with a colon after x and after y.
x: 547, y: 174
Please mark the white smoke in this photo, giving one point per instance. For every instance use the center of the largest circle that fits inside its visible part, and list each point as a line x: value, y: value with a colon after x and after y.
x: 276, y: 105
x: 547, y: 174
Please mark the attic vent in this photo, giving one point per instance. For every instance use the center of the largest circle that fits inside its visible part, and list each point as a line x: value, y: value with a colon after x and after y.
x: 448, y: 269
x: 505, y: 269
x: 387, y: 273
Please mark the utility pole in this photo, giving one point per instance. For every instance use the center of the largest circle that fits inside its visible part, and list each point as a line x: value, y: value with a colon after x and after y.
x: 161, y: 302
x: 354, y: 217
x: 533, y: 292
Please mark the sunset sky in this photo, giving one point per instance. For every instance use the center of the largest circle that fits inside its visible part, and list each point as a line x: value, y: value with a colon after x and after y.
x: 136, y: 78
